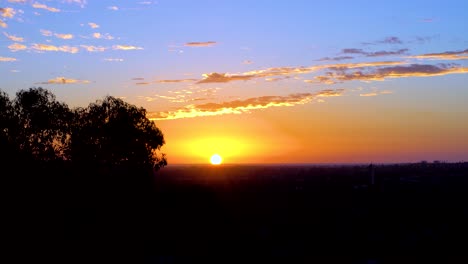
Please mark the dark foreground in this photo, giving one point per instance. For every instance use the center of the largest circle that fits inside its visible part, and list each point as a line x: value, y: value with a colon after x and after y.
x: 239, y: 214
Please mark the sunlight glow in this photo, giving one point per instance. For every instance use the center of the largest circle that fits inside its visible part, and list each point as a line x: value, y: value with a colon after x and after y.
x: 216, y: 159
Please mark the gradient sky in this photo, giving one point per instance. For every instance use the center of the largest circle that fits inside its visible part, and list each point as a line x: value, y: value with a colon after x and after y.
x: 258, y: 81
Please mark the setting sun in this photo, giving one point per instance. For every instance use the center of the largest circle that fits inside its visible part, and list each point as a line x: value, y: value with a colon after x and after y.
x: 216, y: 159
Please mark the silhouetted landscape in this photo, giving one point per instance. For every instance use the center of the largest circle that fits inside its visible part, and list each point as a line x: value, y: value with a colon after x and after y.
x: 88, y: 186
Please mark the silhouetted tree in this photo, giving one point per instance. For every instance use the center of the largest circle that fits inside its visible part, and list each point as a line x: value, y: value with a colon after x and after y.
x: 43, y: 129
x: 111, y: 132
x: 8, y: 123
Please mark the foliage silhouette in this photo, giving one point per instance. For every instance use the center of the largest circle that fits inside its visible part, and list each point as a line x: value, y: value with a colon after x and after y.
x: 108, y: 133
x: 43, y: 129
x: 111, y: 132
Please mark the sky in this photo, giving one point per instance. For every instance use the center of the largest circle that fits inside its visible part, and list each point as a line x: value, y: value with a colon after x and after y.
x: 258, y: 81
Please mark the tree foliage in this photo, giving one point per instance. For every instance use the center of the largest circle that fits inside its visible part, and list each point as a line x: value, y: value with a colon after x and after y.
x: 109, y: 132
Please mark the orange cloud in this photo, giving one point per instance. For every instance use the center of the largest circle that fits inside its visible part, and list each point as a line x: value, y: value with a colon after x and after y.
x: 93, y: 48
x: 448, y: 55
x: 126, y: 47
x: 64, y: 36
x: 3, y: 24
x: 102, y: 36
x: 223, y: 77
x: 45, y: 7
x: 93, y: 25
x: 45, y: 47
x: 368, y: 94
x: 242, y: 106
x: 16, y: 47
x: 7, y: 12
x: 200, y: 44
x: 63, y: 80
x: 13, y: 38
x: 7, y: 59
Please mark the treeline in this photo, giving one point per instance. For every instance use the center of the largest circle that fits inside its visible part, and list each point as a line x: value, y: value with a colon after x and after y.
x: 37, y: 130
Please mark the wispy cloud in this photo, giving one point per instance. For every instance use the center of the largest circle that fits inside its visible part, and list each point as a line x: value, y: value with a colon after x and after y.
x: 63, y: 80
x: 93, y: 25
x: 13, y: 37
x: 391, y: 40
x: 114, y: 8
x: 114, y: 59
x: 16, y: 47
x: 339, y: 58
x: 63, y: 36
x: 45, y: 47
x: 242, y: 106
x: 380, y: 74
x: 3, y: 24
x: 7, y: 59
x: 102, y: 36
x: 17, y: 1
x: 126, y: 47
x: 7, y: 12
x: 200, y: 44
x: 81, y: 3
x: 448, y: 55
x: 371, y: 94
x: 45, y: 7
x: 247, y: 62
x: 93, y: 48
x: 286, y: 71
x: 215, y: 77
x: 46, y: 33
x: 374, y: 54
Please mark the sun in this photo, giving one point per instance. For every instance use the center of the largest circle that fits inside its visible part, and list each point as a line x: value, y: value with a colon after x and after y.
x: 216, y: 159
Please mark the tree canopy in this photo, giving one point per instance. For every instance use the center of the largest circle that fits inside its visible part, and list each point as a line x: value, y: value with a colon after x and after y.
x: 109, y: 132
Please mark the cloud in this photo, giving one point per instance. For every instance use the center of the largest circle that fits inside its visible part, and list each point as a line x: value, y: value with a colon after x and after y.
x: 224, y: 78
x: 17, y: 1
x: 3, y: 24
x: 448, y: 55
x: 114, y: 8
x: 369, y: 94
x: 102, y: 36
x: 7, y: 59
x: 13, y: 38
x: 63, y: 36
x: 200, y: 44
x: 45, y: 7
x: 46, y: 33
x: 93, y: 25
x: 339, y: 58
x: 126, y: 47
x: 63, y: 80
x: 374, y: 54
x: 114, y: 59
x: 242, y: 106
x: 81, y: 3
x: 45, y: 47
x: 145, y: 3
x: 93, y: 48
x: 16, y: 47
x: 380, y: 74
x: 7, y: 12
x: 391, y: 40
x: 247, y: 62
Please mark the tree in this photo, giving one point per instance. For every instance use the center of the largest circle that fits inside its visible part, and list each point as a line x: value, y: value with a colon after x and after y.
x: 43, y: 129
x: 7, y: 127
x: 111, y: 132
